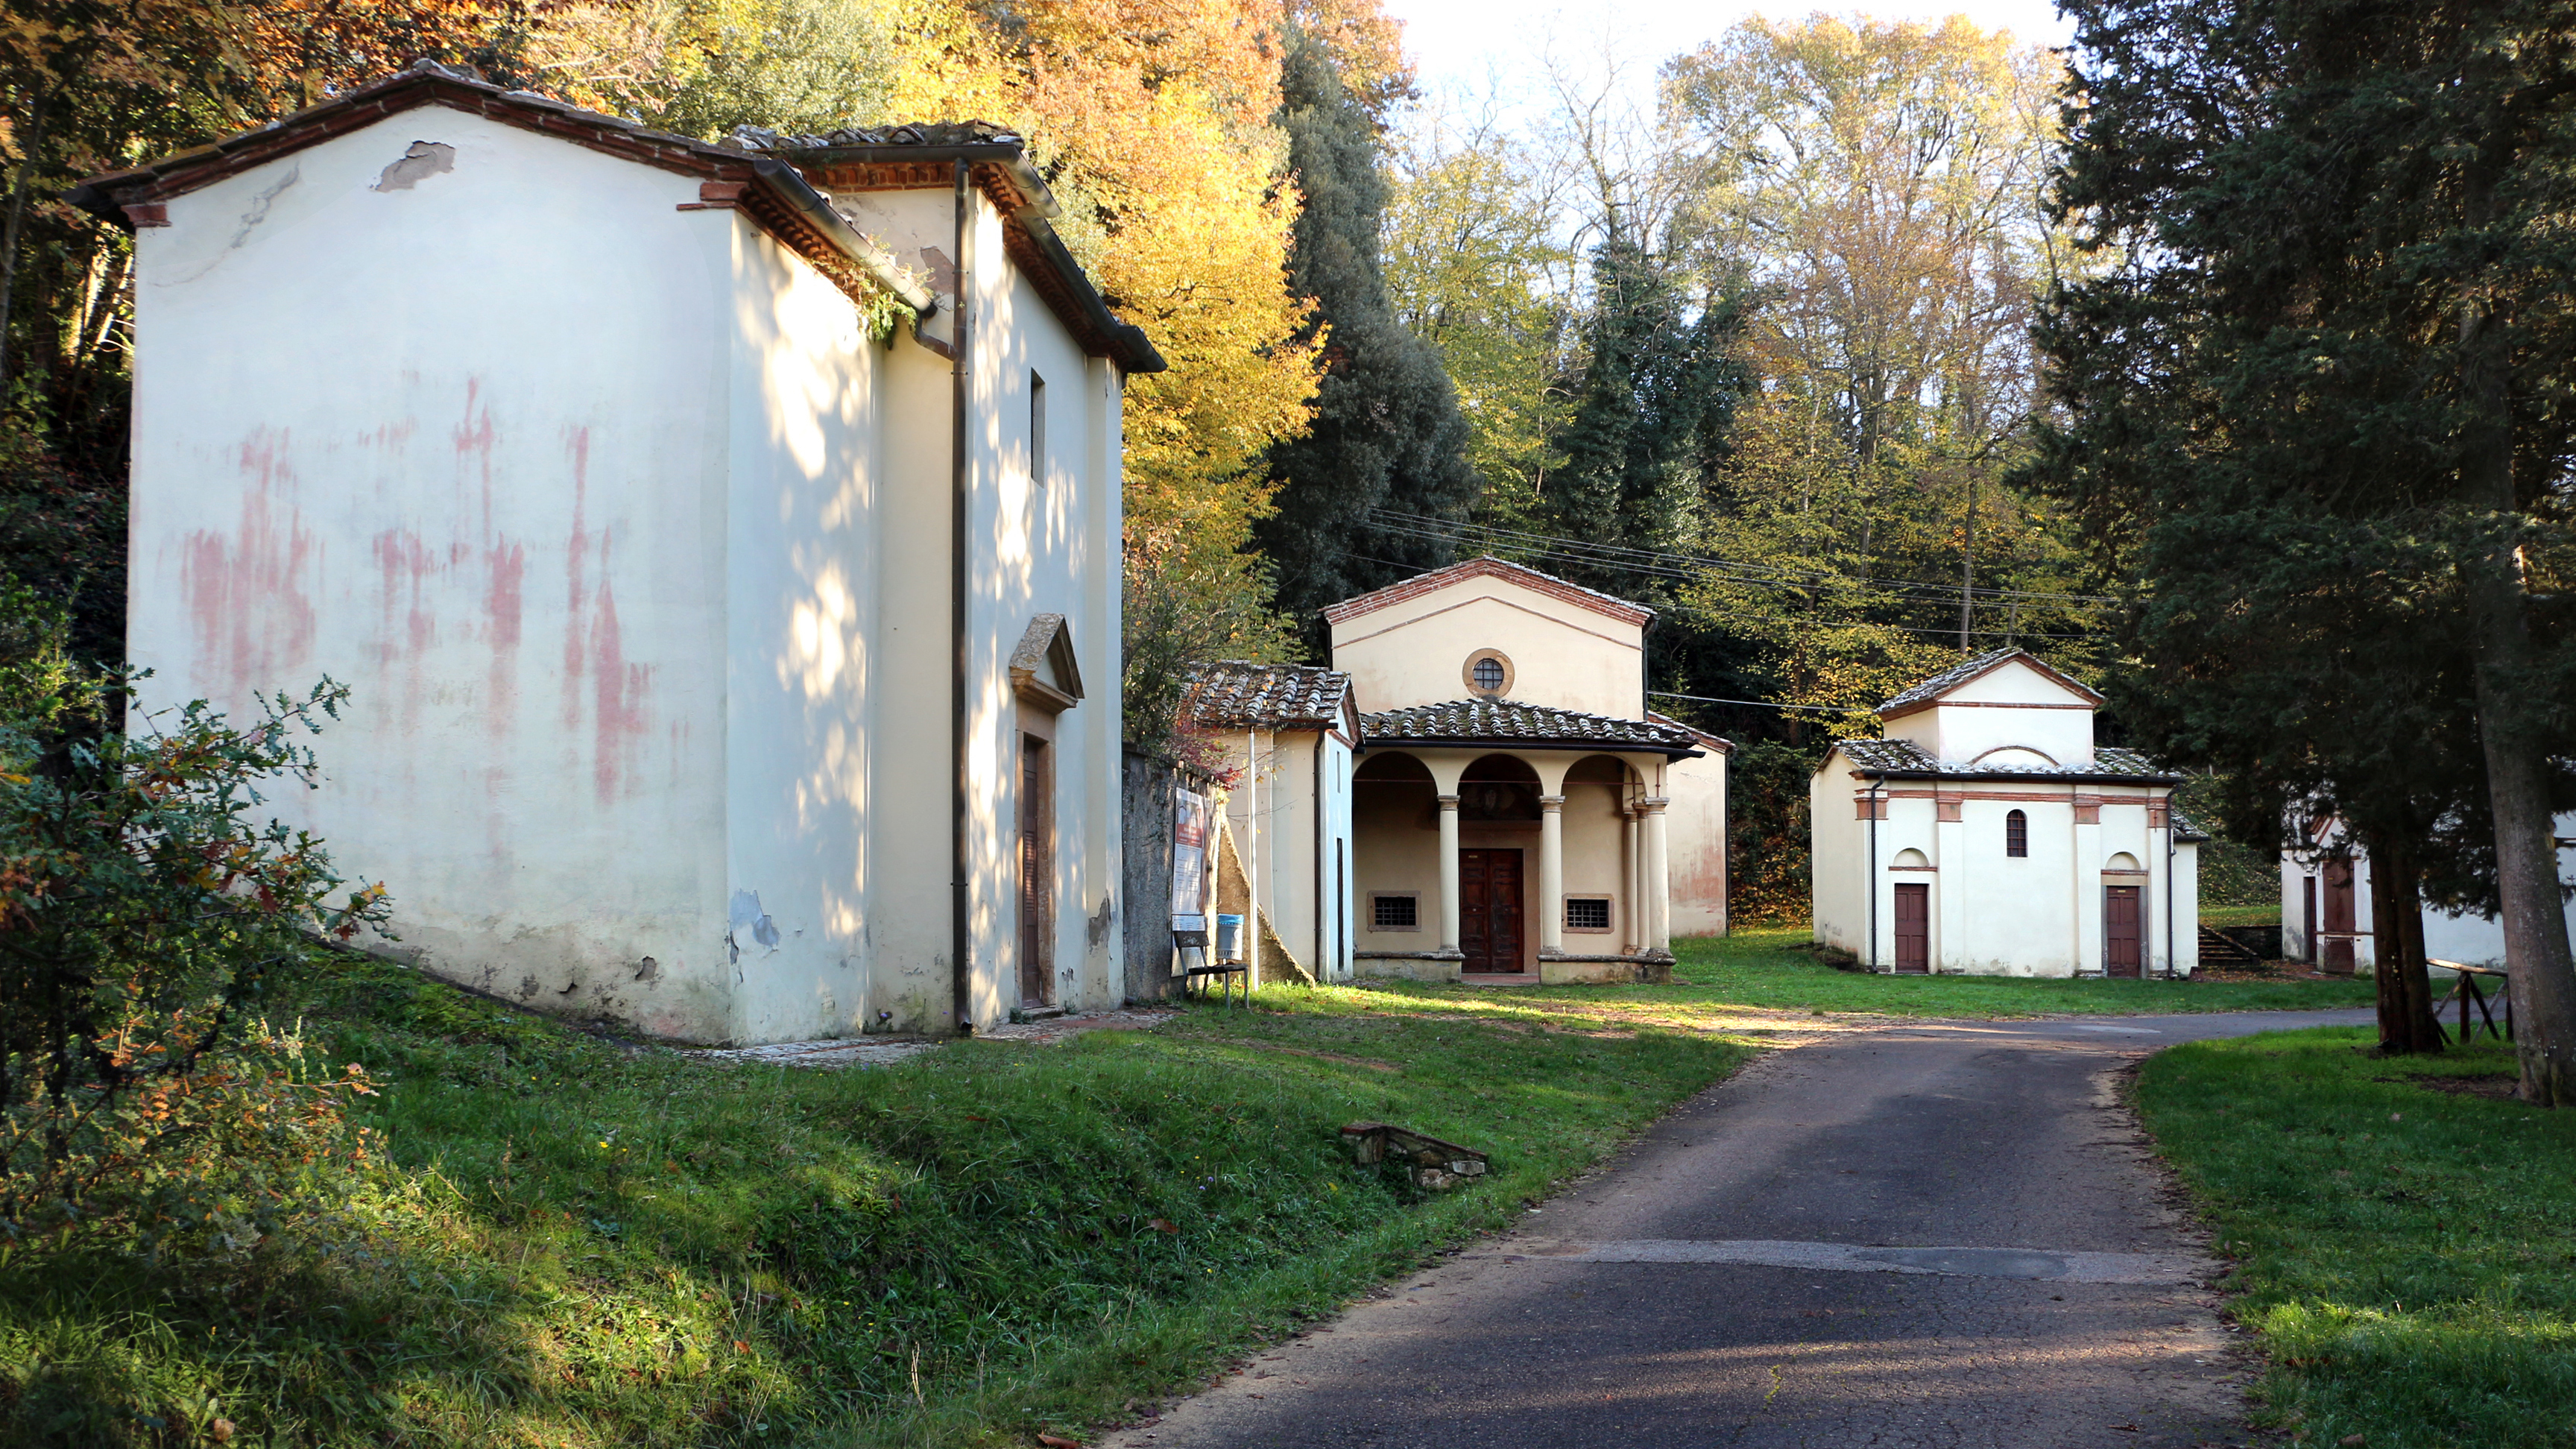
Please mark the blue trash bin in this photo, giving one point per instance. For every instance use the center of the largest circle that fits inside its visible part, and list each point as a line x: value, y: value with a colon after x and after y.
x: 1229, y: 938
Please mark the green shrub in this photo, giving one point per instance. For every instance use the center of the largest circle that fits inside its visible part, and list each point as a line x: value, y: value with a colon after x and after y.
x: 143, y: 904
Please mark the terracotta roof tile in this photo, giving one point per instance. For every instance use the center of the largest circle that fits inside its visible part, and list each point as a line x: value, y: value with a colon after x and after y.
x: 1502, y: 721
x: 1966, y: 669
x: 1235, y: 694
x: 1908, y: 758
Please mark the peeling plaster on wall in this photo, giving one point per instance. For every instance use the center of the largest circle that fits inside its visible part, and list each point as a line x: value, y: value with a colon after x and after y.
x: 425, y: 159
x: 747, y: 914
x: 1096, y: 930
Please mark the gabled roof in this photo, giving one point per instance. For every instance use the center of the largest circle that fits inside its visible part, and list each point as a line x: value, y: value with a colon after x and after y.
x: 771, y: 191
x: 1502, y: 721
x: 1489, y: 566
x: 1719, y: 743
x: 1236, y: 694
x: 1906, y: 759
x: 1929, y: 692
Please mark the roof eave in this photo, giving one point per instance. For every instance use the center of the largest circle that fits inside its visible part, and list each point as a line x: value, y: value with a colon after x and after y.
x: 1124, y: 342
x: 1598, y: 747
x: 1876, y: 772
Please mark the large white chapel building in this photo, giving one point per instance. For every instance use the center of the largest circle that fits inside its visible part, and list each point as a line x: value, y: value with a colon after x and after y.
x: 1986, y: 834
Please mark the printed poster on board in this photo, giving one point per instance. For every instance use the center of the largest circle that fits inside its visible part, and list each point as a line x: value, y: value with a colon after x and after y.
x: 1191, y: 821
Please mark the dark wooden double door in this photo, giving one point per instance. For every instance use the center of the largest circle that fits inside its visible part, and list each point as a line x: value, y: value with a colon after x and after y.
x: 1490, y: 933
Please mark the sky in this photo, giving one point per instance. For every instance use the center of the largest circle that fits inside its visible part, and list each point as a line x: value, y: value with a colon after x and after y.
x: 1457, y: 44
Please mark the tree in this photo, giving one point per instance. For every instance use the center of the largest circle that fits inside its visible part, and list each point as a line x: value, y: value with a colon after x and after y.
x: 1387, y: 431
x: 1475, y: 267
x: 2315, y: 408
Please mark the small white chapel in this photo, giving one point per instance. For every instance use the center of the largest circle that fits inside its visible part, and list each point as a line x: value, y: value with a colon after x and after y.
x: 1986, y: 834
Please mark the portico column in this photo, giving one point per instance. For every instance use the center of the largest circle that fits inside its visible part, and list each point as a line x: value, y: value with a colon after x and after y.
x: 1659, y: 891
x: 1632, y: 876
x: 1551, y: 872
x: 1448, y: 872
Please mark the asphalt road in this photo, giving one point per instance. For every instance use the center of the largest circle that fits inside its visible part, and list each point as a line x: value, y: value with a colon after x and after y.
x: 1793, y: 1259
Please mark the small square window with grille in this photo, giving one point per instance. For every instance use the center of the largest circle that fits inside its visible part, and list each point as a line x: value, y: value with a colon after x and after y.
x: 1587, y: 913
x: 1393, y: 913
x: 2016, y: 834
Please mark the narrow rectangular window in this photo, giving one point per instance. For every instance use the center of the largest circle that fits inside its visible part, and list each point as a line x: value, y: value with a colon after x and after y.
x: 1037, y: 430
x: 2016, y: 834
x: 1394, y: 913
x: 1587, y: 913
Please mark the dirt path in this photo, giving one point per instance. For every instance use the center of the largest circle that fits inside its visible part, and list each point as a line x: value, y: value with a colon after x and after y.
x: 1934, y: 1234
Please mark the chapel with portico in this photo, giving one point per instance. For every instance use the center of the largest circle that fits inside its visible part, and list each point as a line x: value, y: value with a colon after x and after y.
x: 1516, y: 811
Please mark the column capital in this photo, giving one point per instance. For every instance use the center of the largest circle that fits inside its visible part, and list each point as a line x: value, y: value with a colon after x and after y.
x: 1448, y: 802
x: 1551, y: 802
x: 1652, y: 805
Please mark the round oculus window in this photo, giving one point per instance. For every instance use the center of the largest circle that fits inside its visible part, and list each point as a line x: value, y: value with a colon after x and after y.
x: 1488, y: 672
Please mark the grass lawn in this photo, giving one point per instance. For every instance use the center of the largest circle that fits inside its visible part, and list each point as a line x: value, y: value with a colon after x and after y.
x: 2266, y: 914
x: 2407, y: 1257
x: 583, y: 1244
x: 1770, y: 969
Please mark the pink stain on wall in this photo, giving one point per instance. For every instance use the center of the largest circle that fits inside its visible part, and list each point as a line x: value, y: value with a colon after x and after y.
x: 619, y: 690
x: 248, y: 606
x: 405, y: 623
x: 576, y: 550
x: 474, y: 438
x: 508, y: 563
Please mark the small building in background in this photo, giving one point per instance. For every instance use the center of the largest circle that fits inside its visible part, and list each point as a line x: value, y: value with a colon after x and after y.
x: 1986, y: 834
x: 1517, y: 811
x: 2327, y: 915
x: 1286, y: 734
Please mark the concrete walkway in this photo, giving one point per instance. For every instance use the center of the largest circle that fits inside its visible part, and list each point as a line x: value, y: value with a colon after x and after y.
x: 1940, y: 1235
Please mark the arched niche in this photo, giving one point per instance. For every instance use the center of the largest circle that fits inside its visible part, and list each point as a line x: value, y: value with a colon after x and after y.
x: 2016, y: 757
x: 1498, y: 789
x: 2123, y: 863
x: 1909, y: 859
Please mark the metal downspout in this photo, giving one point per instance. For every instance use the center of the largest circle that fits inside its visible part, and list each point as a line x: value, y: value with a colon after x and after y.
x: 961, y: 478
x: 1873, y: 873
x: 2171, y: 960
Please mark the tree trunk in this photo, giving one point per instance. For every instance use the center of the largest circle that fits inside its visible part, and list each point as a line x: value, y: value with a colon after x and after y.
x: 2543, y: 984
x: 35, y: 142
x: 2406, y: 1025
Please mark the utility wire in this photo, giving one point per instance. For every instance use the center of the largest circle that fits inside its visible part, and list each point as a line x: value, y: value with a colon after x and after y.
x: 1946, y: 631
x: 1694, y: 565
x: 1760, y: 703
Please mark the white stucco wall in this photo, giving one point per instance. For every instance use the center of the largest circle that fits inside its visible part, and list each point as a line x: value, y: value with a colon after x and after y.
x: 460, y: 446
x: 1695, y: 840
x: 2012, y: 706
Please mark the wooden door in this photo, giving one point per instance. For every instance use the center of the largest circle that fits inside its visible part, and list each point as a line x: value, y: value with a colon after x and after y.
x: 1037, y: 872
x: 2123, y: 933
x: 1489, y: 909
x: 1913, y: 928
x: 2336, y: 957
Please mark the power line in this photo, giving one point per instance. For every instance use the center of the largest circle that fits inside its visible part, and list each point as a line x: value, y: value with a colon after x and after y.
x: 1757, y: 703
x: 1696, y: 565
x: 1947, y: 631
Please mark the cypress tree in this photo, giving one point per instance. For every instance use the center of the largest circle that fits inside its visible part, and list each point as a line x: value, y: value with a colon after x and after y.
x: 1387, y: 429
x: 2316, y: 417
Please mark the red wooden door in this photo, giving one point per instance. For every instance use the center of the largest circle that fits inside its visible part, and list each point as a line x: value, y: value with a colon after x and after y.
x: 2122, y: 938
x: 1037, y: 873
x: 2336, y: 958
x: 1489, y: 909
x: 1914, y: 928
x: 2308, y: 918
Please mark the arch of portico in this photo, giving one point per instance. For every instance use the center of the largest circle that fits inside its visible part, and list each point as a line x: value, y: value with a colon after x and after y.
x: 1593, y: 818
